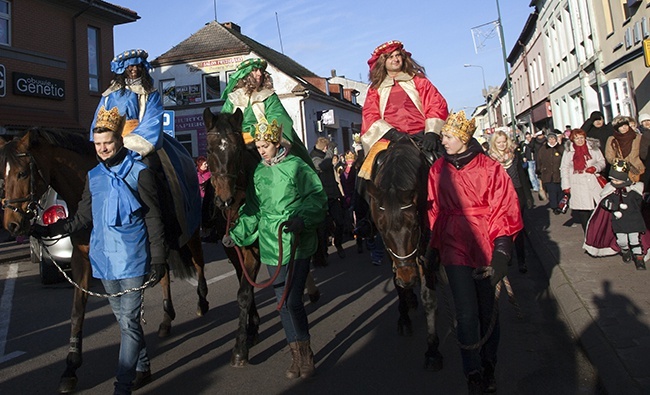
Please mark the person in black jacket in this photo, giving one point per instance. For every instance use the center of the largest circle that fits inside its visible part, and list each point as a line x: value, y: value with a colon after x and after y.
x: 596, y: 128
x: 322, y: 155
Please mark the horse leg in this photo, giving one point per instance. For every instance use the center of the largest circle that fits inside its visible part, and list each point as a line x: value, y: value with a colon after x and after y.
x: 432, y: 357
x: 81, y: 273
x: 169, y: 314
x: 196, y: 249
x: 404, y: 325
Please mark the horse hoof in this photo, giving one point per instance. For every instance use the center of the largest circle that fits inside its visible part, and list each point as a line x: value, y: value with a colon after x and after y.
x: 164, y: 330
x: 203, y: 308
x: 433, y: 363
x: 67, y: 385
x: 238, y: 361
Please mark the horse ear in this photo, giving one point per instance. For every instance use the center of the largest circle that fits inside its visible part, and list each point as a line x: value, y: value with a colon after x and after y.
x: 23, y: 143
x: 237, y: 119
x: 208, y: 118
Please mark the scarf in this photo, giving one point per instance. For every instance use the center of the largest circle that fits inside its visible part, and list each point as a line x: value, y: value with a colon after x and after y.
x: 622, y: 142
x: 580, y: 157
x: 279, y: 156
x: 121, y: 202
x: 505, y: 158
x: 461, y: 160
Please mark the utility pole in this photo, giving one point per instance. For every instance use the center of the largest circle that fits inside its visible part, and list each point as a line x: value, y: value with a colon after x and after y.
x: 513, y: 118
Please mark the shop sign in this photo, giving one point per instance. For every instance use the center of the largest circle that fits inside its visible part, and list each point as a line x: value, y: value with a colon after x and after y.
x: 34, y: 85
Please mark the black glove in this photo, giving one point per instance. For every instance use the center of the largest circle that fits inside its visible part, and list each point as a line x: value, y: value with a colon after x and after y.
x: 499, y: 263
x: 157, y: 272
x: 431, y: 142
x: 294, y: 225
x: 393, y: 135
x: 40, y: 231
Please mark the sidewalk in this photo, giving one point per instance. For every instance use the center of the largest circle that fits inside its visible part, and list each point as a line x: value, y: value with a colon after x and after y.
x: 605, y: 301
x: 10, y: 251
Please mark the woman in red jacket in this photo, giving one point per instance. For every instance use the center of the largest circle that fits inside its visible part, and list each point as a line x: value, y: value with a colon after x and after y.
x: 474, y: 214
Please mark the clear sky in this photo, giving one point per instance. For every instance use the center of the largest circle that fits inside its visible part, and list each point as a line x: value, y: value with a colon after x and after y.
x: 323, y: 35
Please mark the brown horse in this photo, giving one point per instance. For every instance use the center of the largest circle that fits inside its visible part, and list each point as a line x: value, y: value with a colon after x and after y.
x: 62, y: 159
x: 232, y: 166
x: 398, y: 209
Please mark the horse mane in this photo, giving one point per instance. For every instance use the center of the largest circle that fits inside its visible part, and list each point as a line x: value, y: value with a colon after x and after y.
x: 65, y: 139
x: 399, y: 177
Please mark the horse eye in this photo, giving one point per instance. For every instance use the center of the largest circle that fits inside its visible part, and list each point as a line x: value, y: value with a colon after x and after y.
x: 22, y: 174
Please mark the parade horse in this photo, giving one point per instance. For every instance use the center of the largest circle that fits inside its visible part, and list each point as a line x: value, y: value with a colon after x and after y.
x: 397, y: 197
x: 232, y: 165
x: 62, y: 159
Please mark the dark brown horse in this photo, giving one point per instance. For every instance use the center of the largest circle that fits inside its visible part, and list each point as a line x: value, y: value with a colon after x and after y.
x: 398, y: 209
x: 62, y: 159
x: 232, y: 166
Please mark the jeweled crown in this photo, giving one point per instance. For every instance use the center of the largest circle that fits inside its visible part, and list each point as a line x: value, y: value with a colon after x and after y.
x: 271, y: 132
x: 350, y: 156
x: 109, y: 119
x: 461, y: 127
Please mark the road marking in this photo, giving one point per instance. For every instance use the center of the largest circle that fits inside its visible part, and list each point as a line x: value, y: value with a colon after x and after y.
x: 5, y: 312
x: 212, y: 280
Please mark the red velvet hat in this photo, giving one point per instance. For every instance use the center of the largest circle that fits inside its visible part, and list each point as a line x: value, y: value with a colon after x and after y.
x: 385, y: 48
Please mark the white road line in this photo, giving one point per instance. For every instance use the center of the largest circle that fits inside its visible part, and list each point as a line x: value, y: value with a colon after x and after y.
x: 5, y: 312
x: 212, y: 280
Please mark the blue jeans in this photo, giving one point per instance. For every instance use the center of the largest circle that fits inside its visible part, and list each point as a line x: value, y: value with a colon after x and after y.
x: 534, y: 181
x: 474, y: 301
x: 292, y: 313
x: 133, y: 351
x: 554, y: 193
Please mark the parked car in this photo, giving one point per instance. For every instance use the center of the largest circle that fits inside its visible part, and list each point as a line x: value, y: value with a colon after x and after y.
x: 59, y: 249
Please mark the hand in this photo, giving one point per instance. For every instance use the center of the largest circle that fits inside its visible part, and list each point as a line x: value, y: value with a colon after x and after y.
x: 499, y: 263
x: 294, y: 225
x: 567, y: 191
x: 590, y: 169
x: 39, y: 231
x: 393, y: 135
x: 431, y: 142
x: 157, y: 272
x: 227, y: 241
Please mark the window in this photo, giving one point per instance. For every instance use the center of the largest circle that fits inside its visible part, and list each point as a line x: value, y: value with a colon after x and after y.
x: 5, y: 22
x: 211, y: 87
x: 609, y: 19
x: 168, y: 92
x: 93, y: 59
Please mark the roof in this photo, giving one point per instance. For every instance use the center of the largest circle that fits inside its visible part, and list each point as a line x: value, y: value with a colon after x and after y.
x: 105, y: 10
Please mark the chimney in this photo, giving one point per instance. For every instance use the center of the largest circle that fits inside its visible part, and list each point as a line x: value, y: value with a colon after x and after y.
x: 333, y: 72
x: 232, y: 26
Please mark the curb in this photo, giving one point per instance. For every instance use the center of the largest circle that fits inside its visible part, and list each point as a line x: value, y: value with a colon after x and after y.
x: 615, y: 378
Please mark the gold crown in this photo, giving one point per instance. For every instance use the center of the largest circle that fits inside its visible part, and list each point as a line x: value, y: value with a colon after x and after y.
x: 620, y: 166
x: 268, y: 132
x: 111, y: 119
x: 349, y: 155
x: 458, y: 125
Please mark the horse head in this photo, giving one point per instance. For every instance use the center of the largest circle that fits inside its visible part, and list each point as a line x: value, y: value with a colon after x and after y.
x: 24, y: 183
x: 226, y: 150
x: 395, y: 207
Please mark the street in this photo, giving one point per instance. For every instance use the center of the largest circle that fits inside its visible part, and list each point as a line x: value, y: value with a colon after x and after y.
x: 353, y: 328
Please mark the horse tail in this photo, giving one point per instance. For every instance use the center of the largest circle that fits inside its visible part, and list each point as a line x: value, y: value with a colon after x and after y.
x: 180, y: 262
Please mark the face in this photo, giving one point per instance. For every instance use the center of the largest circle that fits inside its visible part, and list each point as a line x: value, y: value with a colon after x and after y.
x: 552, y: 140
x: 624, y: 128
x: 453, y: 145
x: 646, y: 123
x: 579, y: 140
x: 133, y: 71
x: 501, y: 143
x: 394, y: 62
x: 257, y: 75
x: 599, y: 123
x: 203, y: 166
x: 106, y: 144
x: 529, y: 137
x: 267, y: 149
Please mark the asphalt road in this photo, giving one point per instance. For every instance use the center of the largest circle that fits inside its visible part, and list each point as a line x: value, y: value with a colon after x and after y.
x: 353, y: 327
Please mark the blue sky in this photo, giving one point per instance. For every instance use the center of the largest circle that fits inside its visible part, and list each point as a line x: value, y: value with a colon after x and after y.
x: 341, y: 34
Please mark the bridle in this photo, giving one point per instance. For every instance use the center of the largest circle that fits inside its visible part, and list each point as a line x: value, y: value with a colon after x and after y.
x: 33, y: 206
x: 404, y: 260
x: 225, y: 174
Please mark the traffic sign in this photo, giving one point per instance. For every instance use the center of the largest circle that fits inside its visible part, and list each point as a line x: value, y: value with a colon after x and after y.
x: 168, y: 122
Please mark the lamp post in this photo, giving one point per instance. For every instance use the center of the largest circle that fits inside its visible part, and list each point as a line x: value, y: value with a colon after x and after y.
x: 487, y: 104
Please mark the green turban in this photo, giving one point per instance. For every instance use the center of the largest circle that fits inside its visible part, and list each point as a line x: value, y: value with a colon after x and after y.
x: 243, y: 70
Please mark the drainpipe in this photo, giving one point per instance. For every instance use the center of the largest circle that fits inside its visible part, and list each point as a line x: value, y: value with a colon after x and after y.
x: 303, y: 119
x: 74, y: 57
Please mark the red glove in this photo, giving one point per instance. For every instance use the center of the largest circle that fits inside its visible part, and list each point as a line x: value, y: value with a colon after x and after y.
x: 590, y: 169
x: 567, y: 191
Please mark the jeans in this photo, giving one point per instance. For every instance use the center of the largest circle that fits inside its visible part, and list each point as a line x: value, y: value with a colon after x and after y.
x: 474, y: 302
x: 534, y: 181
x: 554, y: 193
x: 133, y: 351
x: 292, y: 313
x: 376, y: 247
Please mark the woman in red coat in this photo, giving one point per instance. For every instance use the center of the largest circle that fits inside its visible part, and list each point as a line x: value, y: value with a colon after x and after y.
x: 474, y: 214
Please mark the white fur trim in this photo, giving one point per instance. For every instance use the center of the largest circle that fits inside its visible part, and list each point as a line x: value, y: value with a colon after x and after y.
x: 138, y: 144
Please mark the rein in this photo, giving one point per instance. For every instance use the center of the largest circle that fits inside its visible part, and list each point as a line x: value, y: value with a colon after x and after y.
x: 32, y: 207
x: 269, y: 282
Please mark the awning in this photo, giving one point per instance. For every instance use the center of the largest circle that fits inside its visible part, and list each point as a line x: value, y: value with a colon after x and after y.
x: 541, y: 111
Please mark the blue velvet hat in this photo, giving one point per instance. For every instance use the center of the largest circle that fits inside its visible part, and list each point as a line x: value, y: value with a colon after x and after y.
x: 127, y: 58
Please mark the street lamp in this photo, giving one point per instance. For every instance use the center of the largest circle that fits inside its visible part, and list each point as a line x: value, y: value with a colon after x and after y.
x: 487, y: 104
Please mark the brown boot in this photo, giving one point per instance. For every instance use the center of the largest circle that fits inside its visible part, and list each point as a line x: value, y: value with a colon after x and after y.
x: 306, y: 360
x: 294, y: 370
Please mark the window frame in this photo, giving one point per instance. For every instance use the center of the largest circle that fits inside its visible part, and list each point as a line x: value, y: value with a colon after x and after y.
x: 204, y: 87
x: 97, y: 61
x: 7, y: 17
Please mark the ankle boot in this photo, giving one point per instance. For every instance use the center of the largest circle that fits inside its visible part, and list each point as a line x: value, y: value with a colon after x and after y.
x: 639, y: 262
x: 294, y: 370
x: 306, y: 359
x: 627, y: 255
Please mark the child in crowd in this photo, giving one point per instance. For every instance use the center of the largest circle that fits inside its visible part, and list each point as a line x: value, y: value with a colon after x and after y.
x: 622, y: 200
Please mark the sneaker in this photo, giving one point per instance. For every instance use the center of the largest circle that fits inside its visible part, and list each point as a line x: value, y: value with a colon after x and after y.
x: 627, y: 255
x: 141, y: 379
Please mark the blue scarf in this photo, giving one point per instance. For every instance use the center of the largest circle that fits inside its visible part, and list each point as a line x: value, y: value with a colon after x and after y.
x: 121, y: 200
